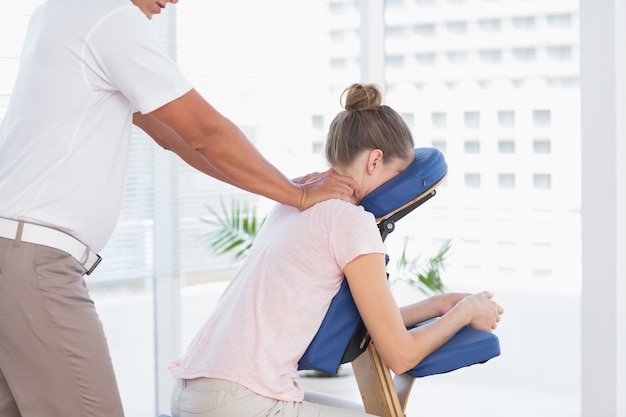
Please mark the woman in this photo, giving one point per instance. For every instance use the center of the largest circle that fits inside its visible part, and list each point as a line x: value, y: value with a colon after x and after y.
x: 243, y: 362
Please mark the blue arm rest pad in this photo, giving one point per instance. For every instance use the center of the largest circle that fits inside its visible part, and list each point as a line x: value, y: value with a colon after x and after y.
x: 468, y: 347
x: 421, y: 176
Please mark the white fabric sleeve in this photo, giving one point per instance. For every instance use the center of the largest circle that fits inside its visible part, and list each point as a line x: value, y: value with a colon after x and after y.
x: 130, y: 58
x: 354, y: 233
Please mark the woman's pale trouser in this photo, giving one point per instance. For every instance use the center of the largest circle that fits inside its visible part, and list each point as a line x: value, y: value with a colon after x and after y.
x: 207, y: 397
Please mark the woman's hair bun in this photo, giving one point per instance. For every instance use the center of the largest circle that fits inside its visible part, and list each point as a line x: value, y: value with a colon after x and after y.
x: 362, y: 97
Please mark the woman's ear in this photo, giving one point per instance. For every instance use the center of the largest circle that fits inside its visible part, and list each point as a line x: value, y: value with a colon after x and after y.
x: 374, y: 160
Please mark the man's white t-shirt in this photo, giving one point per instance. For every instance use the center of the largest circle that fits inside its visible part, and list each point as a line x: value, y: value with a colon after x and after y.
x: 274, y: 306
x: 86, y: 66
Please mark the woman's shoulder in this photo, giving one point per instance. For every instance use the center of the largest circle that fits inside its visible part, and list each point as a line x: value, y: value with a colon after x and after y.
x: 340, y: 206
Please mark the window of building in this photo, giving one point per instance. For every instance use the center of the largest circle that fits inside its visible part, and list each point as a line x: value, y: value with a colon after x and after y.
x: 317, y: 147
x: 395, y: 61
x: 338, y: 63
x: 542, y: 146
x: 490, y: 55
x: 562, y: 20
x: 506, y: 181
x: 524, y: 22
x: 506, y: 146
x: 338, y: 35
x: 457, y: 57
x: 542, y: 181
x: 409, y: 119
x: 440, y: 144
x: 317, y: 122
x: 471, y: 119
x: 490, y: 25
x: 396, y: 4
x: 342, y: 7
x: 457, y: 26
x: 472, y: 180
x: 396, y: 31
x: 524, y: 54
x: 439, y: 119
x: 542, y: 118
x: 560, y: 53
x: 425, y: 29
x: 506, y: 118
x: 471, y: 146
x: 428, y: 58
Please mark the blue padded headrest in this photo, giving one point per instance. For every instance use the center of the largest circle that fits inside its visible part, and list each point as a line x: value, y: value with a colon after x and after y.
x: 419, y: 178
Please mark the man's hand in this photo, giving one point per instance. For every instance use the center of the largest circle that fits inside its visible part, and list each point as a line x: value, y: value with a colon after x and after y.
x: 320, y: 186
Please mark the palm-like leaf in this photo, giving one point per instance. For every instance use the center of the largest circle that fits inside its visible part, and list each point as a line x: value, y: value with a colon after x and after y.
x: 233, y: 231
x: 426, y: 276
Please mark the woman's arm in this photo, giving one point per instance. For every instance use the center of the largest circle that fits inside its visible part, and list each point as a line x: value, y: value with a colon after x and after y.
x: 211, y: 143
x: 400, y: 348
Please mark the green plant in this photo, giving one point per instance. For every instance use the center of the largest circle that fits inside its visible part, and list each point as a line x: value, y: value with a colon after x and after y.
x: 233, y: 230
x: 425, y: 275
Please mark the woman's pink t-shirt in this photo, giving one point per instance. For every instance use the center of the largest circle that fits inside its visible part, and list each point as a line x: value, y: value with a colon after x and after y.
x: 275, y: 304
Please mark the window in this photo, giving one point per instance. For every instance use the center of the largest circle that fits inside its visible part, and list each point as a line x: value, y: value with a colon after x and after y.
x: 317, y: 147
x: 338, y: 63
x: 456, y: 27
x: 338, y: 35
x: 395, y: 61
x: 472, y: 146
x: 506, y: 118
x: 541, y: 118
x: 317, y: 122
x: 506, y: 181
x: 472, y: 180
x: 524, y: 54
x: 425, y: 59
x: 542, y: 181
x: 541, y: 146
x: 457, y: 57
x: 396, y: 31
x: 523, y: 22
x: 560, y: 53
x: 471, y: 119
x: 440, y: 144
x: 490, y: 55
x: 506, y: 146
x: 425, y: 29
x: 490, y: 25
x: 409, y: 118
x: 439, y: 119
x: 563, y: 20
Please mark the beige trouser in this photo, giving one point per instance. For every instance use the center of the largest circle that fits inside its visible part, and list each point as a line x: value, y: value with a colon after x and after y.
x: 208, y: 397
x: 54, y: 358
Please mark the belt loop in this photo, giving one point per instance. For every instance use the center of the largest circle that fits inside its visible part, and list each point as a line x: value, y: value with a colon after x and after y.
x: 18, y: 236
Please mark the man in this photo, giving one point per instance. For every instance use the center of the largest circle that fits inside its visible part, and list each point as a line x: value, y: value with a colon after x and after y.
x: 88, y: 70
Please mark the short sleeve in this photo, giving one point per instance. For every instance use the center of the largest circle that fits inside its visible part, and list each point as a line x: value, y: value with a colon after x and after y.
x: 127, y: 56
x: 353, y: 233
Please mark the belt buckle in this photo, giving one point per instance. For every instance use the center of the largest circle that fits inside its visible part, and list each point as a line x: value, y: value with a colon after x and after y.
x: 95, y: 264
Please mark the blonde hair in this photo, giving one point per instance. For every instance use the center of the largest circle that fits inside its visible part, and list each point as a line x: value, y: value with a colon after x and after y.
x: 367, y: 124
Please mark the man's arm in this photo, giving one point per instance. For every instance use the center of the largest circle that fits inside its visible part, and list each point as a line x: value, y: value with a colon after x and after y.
x: 190, y: 127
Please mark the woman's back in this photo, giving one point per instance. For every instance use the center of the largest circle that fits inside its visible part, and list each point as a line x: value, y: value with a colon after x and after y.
x: 273, y: 307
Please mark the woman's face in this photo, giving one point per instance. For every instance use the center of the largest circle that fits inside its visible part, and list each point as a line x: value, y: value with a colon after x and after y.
x: 152, y: 7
